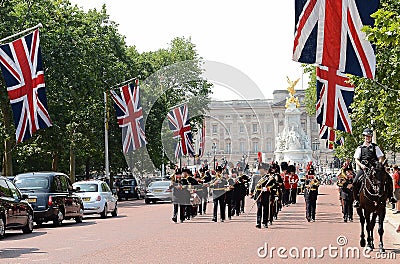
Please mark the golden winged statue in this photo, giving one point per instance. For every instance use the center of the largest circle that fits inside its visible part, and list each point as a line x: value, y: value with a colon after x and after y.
x: 292, y: 84
x: 292, y: 91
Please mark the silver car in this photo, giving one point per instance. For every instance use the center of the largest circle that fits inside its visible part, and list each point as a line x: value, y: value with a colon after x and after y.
x: 158, y: 191
x: 97, y: 198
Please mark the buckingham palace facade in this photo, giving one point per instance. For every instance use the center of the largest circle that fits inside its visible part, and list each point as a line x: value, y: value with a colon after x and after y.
x: 240, y: 129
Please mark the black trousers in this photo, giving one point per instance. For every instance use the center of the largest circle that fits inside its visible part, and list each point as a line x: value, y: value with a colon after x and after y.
x: 221, y: 201
x: 181, y: 211
x: 228, y: 202
x: 242, y: 203
x: 286, y: 193
x: 311, y: 205
x: 292, y: 195
x: 348, y: 208
x: 263, y: 209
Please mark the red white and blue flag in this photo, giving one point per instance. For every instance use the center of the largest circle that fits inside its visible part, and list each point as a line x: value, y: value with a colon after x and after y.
x: 334, y: 96
x: 179, y: 124
x: 130, y: 117
x: 202, y: 136
x: 21, y: 64
x: 328, y: 32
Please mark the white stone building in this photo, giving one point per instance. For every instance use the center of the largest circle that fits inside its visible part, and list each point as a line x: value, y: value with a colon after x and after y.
x: 237, y: 128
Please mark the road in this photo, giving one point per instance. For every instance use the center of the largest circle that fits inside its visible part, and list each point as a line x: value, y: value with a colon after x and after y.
x: 145, y: 234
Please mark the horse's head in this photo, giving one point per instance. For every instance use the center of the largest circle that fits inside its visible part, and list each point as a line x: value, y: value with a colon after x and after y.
x: 376, y: 178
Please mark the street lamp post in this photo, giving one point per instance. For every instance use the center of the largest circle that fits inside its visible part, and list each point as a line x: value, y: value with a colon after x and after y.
x: 315, y: 145
x: 214, y: 147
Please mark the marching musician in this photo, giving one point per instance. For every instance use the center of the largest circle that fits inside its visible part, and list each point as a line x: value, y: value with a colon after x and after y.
x: 236, y: 193
x: 179, y: 198
x: 244, y: 188
x: 311, y: 194
x: 293, y: 180
x: 229, y: 193
x: 346, y: 194
x: 205, y: 178
x: 218, y: 186
x: 286, y: 184
x: 261, y: 193
x: 276, y: 191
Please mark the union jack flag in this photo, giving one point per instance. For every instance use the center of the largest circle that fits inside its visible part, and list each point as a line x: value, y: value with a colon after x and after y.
x: 130, y: 116
x: 179, y: 124
x: 334, y: 96
x: 328, y: 32
x: 202, y: 136
x: 21, y: 64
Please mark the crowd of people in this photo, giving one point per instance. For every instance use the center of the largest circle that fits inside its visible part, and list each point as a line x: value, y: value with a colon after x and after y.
x: 272, y: 187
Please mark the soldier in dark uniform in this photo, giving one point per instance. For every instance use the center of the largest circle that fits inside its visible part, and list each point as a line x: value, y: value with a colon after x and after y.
x: 260, y: 192
x: 276, y: 191
x: 218, y: 186
x: 236, y: 192
x: 244, y: 189
x: 310, y: 195
x: 205, y: 178
x: 177, y: 196
x: 229, y: 193
x: 365, y: 156
x: 346, y: 194
x: 194, y: 186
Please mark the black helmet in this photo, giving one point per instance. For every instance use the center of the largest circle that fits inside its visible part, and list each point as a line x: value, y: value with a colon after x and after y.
x: 367, y: 132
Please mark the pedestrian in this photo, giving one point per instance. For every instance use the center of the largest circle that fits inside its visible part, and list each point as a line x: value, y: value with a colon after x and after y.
x: 367, y: 155
x: 311, y: 195
x: 396, y: 187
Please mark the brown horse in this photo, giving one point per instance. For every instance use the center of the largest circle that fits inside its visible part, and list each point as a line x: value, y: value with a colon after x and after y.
x: 373, y: 196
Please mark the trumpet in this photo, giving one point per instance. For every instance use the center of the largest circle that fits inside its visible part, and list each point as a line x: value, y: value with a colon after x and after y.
x: 313, y: 185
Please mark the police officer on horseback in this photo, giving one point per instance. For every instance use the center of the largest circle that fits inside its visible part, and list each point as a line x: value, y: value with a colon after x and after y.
x: 367, y: 155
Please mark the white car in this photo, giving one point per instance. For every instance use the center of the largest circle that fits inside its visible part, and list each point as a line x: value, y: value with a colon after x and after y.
x: 97, y: 198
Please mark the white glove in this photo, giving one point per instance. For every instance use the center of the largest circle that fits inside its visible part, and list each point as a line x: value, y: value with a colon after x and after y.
x: 264, y: 189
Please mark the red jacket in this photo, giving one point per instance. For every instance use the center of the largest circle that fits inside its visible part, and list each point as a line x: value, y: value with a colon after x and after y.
x: 286, y: 183
x: 293, y: 180
x: 396, y: 176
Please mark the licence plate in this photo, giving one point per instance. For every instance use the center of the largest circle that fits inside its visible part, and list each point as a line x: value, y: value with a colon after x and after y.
x: 126, y: 191
x: 31, y: 200
x: 157, y: 190
x: 86, y: 199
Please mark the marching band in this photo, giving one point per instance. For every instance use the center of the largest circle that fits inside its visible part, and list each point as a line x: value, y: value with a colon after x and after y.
x: 271, y: 186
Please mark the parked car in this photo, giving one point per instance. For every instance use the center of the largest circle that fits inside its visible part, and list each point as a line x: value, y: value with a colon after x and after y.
x: 51, y: 196
x: 97, y: 198
x: 130, y: 188
x: 15, y: 211
x: 158, y: 191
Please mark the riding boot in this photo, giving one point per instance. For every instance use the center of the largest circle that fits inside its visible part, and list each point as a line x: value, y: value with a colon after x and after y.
x: 356, y: 194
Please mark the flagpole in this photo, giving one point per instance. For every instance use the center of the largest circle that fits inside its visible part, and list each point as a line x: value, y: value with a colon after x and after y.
x: 106, y: 116
x: 122, y: 83
x: 22, y: 32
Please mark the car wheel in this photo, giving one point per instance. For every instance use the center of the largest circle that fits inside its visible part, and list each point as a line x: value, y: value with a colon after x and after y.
x: 147, y: 201
x: 104, y: 213
x: 2, y: 228
x: 115, y: 212
x: 79, y: 218
x: 60, y: 217
x: 28, y: 228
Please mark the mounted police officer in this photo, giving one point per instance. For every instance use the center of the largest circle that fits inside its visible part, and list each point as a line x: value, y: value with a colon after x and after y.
x: 367, y: 155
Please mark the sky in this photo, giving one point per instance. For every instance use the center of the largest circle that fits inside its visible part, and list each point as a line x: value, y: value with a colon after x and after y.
x: 254, y: 37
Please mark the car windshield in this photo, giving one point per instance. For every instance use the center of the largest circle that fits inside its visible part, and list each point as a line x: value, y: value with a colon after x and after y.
x: 87, y: 187
x: 34, y: 182
x: 159, y: 184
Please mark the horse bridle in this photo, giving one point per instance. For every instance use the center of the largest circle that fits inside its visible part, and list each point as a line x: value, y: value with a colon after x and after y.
x: 368, y: 173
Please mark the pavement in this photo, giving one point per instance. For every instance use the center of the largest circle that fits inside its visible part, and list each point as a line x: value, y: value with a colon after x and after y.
x: 391, y: 218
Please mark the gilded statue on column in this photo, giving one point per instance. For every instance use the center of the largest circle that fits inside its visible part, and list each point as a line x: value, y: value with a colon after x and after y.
x: 292, y: 91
